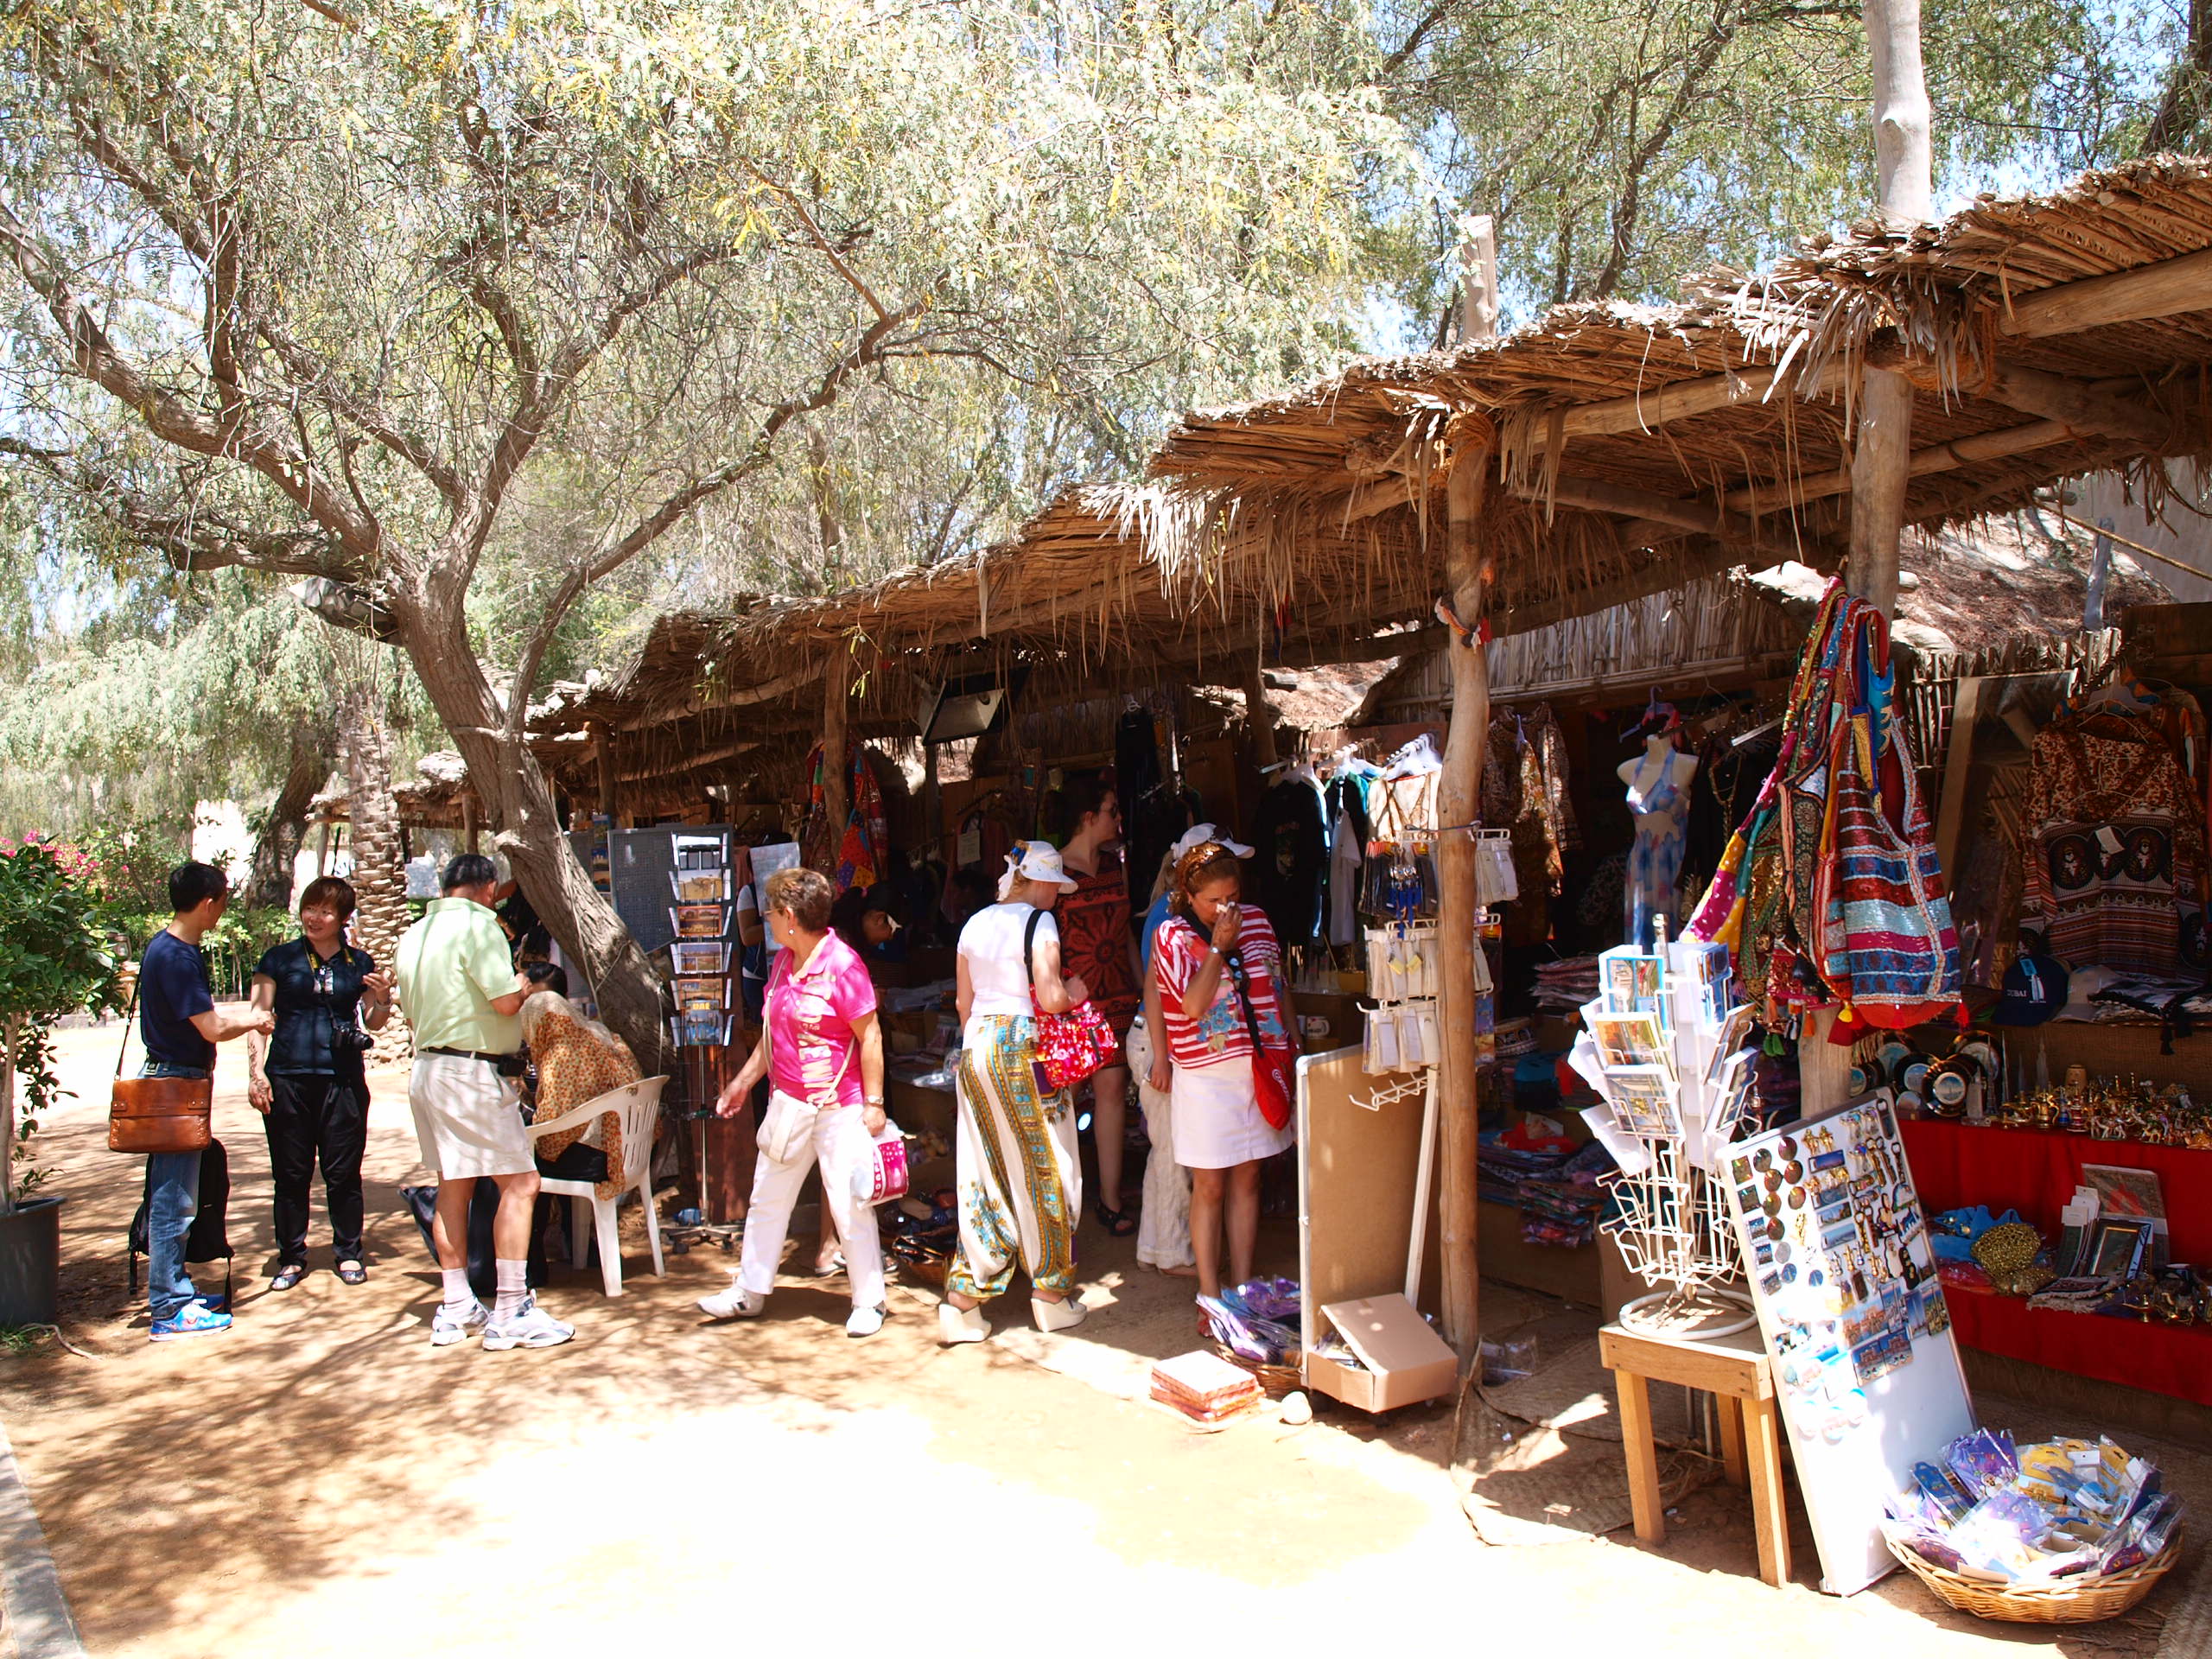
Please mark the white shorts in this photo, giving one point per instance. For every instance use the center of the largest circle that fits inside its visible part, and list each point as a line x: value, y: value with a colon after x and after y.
x: 468, y: 1118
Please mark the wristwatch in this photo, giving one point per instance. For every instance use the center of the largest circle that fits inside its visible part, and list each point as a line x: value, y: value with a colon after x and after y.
x: 874, y: 1100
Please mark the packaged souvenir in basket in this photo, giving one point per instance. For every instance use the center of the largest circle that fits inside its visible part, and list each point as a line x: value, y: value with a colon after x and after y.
x: 1983, y: 1462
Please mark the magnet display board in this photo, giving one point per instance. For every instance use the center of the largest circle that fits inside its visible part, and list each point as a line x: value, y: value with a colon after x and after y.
x: 1866, y: 1372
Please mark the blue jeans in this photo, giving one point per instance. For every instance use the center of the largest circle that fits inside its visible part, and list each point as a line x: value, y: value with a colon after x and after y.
x: 175, y: 1201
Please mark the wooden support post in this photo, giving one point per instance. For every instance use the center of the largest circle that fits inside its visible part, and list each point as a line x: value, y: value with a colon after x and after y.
x: 467, y: 820
x: 837, y: 789
x: 1259, y: 718
x: 602, y: 749
x: 1880, y: 469
x: 1458, y: 799
x: 1958, y: 764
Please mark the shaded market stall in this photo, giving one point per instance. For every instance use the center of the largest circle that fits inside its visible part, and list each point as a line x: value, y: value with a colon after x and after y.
x: 1808, y: 414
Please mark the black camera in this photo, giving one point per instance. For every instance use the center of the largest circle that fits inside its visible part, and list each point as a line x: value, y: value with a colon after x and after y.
x: 346, y: 1036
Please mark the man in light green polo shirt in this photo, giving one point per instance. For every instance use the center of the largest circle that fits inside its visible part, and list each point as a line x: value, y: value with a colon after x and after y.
x: 462, y: 995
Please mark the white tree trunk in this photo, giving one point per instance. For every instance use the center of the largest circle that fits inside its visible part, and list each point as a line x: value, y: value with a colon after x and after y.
x: 1904, y: 138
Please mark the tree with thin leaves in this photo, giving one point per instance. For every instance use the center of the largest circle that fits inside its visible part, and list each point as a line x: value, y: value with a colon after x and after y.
x: 323, y: 289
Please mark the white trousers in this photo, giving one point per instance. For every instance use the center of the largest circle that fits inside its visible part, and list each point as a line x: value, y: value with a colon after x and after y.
x: 841, y: 1146
x: 1164, y: 1223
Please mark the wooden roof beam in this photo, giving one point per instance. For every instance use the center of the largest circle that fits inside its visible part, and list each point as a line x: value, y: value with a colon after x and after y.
x: 1651, y: 517
x: 2132, y: 417
x: 1704, y: 557
x: 2165, y: 290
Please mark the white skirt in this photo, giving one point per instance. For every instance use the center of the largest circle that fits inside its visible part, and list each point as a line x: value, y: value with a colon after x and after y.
x: 1218, y: 1122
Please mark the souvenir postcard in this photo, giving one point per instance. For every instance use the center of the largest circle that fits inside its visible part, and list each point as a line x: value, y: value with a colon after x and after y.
x: 692, y: 995
x: 689, y: 956
x: 1632, y: 982
x: 1631, y: 1040
x: 698, y: 921
x: 700, y: 887
x: 695, y: 853
x: 1735, y: 1028
x: 1644, y: 1099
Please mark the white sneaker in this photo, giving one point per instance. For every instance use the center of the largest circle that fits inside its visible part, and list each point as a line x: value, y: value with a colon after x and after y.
x: 1063, y: 1315
x: 528, y: 1326
x: 865, y: 1321
x: 958, y: 1324
x: 452, y: 1325
x: 735, y: 1303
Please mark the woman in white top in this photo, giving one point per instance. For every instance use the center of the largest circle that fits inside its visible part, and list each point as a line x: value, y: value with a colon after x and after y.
x: 1021, y: 1176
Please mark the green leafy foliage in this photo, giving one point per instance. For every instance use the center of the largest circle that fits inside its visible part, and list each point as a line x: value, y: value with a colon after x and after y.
x: 54, y: 960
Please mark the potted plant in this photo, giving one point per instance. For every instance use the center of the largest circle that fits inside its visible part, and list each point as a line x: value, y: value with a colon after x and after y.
x: 53, y: 961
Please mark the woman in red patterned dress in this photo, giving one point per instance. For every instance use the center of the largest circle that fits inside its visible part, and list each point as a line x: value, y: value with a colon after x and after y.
x: 1096, y: 946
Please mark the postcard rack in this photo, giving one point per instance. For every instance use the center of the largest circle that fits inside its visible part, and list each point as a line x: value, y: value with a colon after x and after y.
x: 1666, y: 1053
x: 701, y: 985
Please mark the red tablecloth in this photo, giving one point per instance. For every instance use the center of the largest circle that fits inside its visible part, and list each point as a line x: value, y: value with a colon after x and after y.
x: 2173, y: 1359
x: 2035, y: 1172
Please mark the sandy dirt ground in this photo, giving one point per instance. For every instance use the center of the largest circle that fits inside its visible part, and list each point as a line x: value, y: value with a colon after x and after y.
x: 321, y: 1481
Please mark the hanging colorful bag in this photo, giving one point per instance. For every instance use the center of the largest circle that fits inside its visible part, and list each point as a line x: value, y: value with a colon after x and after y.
x: 1888, y: 946
x: 1070, y: 1047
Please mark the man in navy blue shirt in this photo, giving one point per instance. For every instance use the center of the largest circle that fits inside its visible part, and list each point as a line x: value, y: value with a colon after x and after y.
x: 180, y: 1025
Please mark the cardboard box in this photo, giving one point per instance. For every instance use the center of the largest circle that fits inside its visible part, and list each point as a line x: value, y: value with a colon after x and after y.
x: 1406, y: 1362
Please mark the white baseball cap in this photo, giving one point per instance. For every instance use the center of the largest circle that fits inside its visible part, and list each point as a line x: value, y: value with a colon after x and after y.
x: 1198, y: 834
x: 1035, y: 861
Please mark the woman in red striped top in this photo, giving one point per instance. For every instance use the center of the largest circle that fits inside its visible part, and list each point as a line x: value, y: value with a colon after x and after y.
x: 1220, y: 1136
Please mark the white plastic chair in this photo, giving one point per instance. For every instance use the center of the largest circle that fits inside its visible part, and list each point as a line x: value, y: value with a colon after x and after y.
x: 638, y: 1106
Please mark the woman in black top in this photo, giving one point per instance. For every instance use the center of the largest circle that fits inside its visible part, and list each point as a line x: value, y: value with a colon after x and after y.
x: 306, y: 1078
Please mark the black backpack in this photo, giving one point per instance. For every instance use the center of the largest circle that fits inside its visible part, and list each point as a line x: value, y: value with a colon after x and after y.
x: 209, y: 1239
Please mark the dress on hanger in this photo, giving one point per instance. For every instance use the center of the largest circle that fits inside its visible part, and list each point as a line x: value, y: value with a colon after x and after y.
x: 1662, y: 807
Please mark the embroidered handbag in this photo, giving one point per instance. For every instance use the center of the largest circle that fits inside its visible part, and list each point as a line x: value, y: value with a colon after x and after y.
x: 1070, y: 1047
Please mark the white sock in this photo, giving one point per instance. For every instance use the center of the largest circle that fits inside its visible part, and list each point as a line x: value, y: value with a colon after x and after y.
x: 514, y: 1287
x: 457, y: 1292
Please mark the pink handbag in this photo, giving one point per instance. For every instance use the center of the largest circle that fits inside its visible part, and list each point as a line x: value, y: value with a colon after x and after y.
x: 884, y: 1177
x: 1070, y: 1047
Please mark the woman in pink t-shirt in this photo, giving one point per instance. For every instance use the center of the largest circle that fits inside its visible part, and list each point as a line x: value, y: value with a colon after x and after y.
x: 822, y: 1051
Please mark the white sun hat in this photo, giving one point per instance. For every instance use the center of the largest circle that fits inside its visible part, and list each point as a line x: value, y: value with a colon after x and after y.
x: 1198, y: 834
x: 1035, y: 861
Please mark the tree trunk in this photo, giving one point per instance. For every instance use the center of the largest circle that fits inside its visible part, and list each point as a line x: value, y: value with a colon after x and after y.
x: 526, y: 825
x: 279, y: 843
x: 1904, y: 152
x: 380, y: 875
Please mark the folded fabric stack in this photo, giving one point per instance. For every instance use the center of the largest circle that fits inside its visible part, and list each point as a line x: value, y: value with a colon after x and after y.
x: 1204, y: 1388
x: 1555, y: 1191
x: 1565, y: 986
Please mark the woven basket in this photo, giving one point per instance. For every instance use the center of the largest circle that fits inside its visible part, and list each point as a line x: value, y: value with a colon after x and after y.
x: 2072, y: 1601
x: 1275, y: 1380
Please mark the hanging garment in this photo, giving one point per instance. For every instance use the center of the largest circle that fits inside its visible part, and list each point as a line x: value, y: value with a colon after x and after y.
x: 1344, y: 806
x: 854, y: 853
x: 1524, y: 790
x: 1662, y: 808
x: 2116, y: 865
x: 1290, y: 861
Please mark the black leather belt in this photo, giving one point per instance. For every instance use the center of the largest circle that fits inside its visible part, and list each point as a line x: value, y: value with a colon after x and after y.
x: 469, y: 1054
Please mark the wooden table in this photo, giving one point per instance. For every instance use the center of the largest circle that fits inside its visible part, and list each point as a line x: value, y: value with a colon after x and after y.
x: 1735, y: 1369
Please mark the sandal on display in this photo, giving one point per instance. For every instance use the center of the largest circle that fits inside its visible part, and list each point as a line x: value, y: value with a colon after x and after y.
x: 1118, y: 1223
